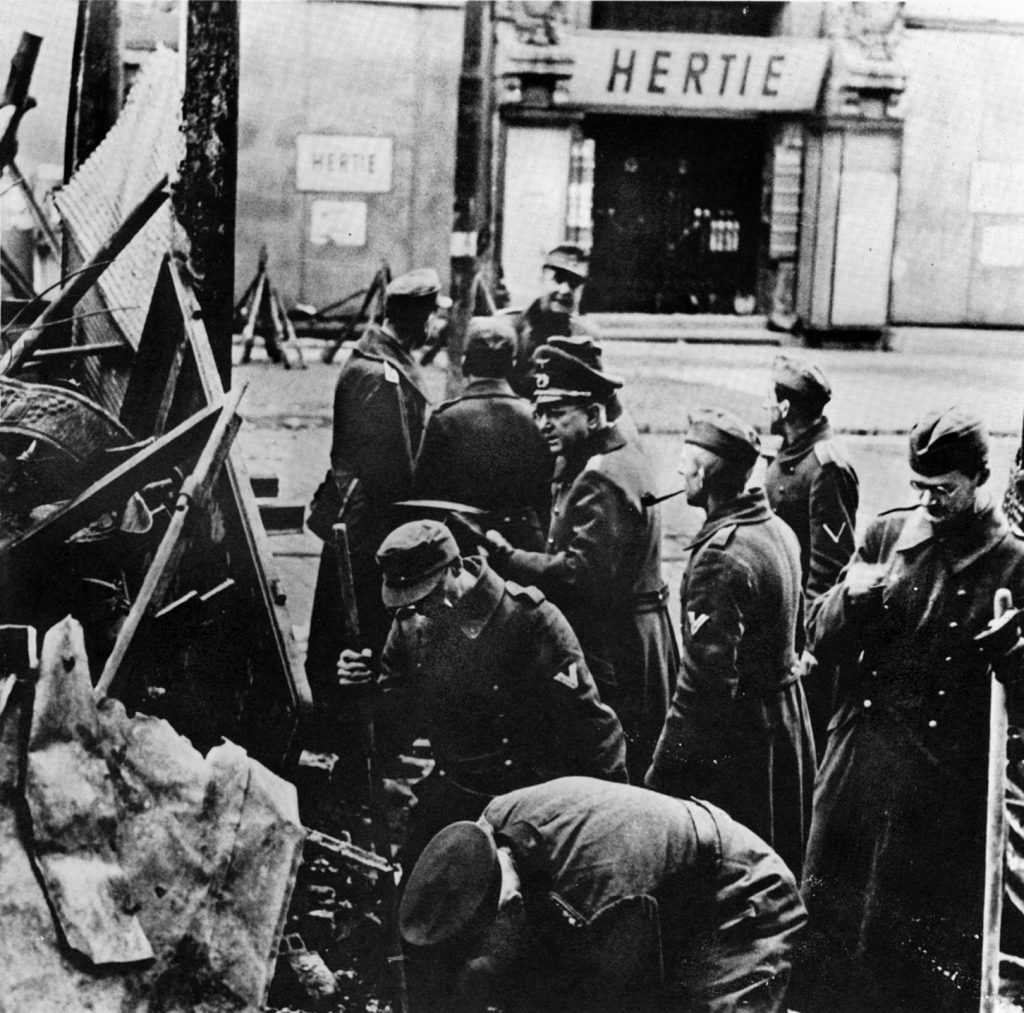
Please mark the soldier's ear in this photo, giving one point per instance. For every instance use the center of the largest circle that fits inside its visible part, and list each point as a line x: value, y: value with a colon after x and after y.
x: 784, y: 407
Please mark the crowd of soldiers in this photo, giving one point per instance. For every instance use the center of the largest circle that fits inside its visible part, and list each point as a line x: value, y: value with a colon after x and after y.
x: 787, y: 803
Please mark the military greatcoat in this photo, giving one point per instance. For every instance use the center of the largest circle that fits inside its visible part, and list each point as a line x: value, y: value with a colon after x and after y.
x: 483, y: 448
x: 738, y: 732
x: 636, y: 901
x: 504, y: 695
x: 602, y: 568
x: 813, y: 487
x: 370, y: 443
x: 894, y: 871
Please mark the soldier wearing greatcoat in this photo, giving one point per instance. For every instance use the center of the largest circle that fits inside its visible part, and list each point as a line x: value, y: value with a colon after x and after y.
x: 738, y: 732
x: 895, y: 862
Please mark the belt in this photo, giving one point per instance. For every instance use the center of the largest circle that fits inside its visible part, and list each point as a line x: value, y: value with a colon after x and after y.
x: 709, y: 839
x: 649, y: 601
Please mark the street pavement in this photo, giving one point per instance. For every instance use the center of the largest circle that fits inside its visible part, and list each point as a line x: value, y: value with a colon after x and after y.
x: 877, y: 395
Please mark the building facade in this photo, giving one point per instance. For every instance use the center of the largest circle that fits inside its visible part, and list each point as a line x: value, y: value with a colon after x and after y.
x: 811, y: 161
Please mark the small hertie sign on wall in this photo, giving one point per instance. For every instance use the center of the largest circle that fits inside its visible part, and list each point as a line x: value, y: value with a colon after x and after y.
x: 334, y: 163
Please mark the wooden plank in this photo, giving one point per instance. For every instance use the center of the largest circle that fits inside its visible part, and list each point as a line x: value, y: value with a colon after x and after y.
x: 194, y: 494
x: 110, y: 492
x: 259, y: 553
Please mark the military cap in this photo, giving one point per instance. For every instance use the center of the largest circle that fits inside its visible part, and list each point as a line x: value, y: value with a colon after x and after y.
x: 579, y: 346
x: 421, y: 283
x: 560, y: 376
x: 453, y: 889
x: 568, y: 258
x: 490, y: 346
x: 413, y: 558
x: 803, y: 379
x: 724, y: 434
x: 954, y: 439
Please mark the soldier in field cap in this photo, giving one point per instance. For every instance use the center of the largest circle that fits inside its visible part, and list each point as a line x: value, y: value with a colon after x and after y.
x: 380, y: 405
x: 579, y: 895
x: 554, y: 313
x: 738, y: 732
x: 895, y: 862
x: 602, y: 560
x: 489, y: 671
x: 482, y: 448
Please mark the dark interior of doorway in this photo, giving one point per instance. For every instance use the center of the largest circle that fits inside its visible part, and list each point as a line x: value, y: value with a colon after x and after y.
x: 676, y: 214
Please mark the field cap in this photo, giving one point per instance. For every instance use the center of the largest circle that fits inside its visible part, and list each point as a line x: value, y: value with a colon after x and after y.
x: 954, y: 439
x: 453, y: 889
x: 413, y: 558
x: 801, y: 378
x: 724, y: 434
x: 568, y: 258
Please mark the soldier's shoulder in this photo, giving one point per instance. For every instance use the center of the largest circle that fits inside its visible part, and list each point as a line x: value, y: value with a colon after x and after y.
x: 722, y: 538
x: 445, y: 405
x: 832, y: 452
x: 530, y: 595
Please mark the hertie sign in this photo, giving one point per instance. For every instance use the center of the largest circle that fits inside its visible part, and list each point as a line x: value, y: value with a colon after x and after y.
x: 708, y: 73
x: 336, y: 163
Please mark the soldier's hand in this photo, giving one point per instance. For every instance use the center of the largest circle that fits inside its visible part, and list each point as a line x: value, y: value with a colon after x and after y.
x: 863, y: 583
x: 499, y: 548
x: 354, y: 667
x: 1002, y: 647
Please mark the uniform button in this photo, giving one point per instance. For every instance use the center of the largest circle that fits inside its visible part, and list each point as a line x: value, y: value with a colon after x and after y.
x: 961, y: 591
x: 867, y: 703
x: 933, y: 724
x: 508, y: 763
x: 874, y: 675
x: 496, y: 687
x: 942, y: 692
x: 953, y: 625
x: 504, y: 742
x: 440, y: 773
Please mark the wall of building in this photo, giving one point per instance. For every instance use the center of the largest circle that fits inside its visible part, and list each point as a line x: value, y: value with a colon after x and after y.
x: 346, y: 71
x: 959, y: 254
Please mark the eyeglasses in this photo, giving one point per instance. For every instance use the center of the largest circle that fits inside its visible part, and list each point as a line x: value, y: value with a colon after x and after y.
x: 938, y: 491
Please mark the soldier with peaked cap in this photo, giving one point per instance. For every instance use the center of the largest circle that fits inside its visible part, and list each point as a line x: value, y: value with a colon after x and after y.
x: 583, y: 895
x: 738, y: 732
x: 602, y: 561
x: 554, y: 313
x: 380, y: 404
x: 813, y: 487
x: 895, y: 862
x: 489, y: 671
x: 811, y: 484
x: 482, y: 448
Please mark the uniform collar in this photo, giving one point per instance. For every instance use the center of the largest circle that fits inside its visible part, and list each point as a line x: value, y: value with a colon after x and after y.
x: 480, y: 602
x: 604, y: 442
x: 750, y: 507
x: 802, y: 445
x: 487, y: 386
x: 379, y: 342
x: 979, y: 533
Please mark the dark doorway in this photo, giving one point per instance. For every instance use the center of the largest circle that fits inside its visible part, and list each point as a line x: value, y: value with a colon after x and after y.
x: 675, y: 210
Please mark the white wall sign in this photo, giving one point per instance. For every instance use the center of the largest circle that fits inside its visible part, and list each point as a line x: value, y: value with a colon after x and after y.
x: 336, y: 163
x: 342, y: 222
x: 997, y: 188
x: 700, y: 72
x: 1002, y: 246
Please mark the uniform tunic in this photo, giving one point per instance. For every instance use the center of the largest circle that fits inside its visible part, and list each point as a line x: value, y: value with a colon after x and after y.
x: 503, y: 694
x: 602, y: 568
x: 636, y: 901
x: 484, y: 449
x: 813, y: 488
x: 738, y: 732
x: 895, y: 860
x: 370, y: 444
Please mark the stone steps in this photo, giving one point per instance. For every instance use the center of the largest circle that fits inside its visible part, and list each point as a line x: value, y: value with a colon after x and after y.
x: 717, y: 328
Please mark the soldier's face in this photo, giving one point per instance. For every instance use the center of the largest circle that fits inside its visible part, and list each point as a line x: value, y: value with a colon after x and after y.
x: 691, y: 468
x: 948, y: 497
x: 563, y: 426
x: 777, y: 411
x: 561, y: 292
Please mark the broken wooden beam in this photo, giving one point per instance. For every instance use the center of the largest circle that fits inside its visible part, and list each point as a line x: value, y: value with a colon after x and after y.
x: 194, y: 493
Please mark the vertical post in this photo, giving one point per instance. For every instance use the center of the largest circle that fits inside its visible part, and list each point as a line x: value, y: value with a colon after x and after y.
x: 995, y: 833
x: 204, y: 200
x: 471, y: 177
x: 97, y: 80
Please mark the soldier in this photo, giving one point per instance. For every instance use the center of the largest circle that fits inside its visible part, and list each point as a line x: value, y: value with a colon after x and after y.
x: 490, y: 672
x: 895, y: 860
x: 555, y: 312
x: 738, y: 732
x: 583, y: 895
x: 380, y: 402
x: 483, y: 447
x: 810, y: 484
x: 602, y: 564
